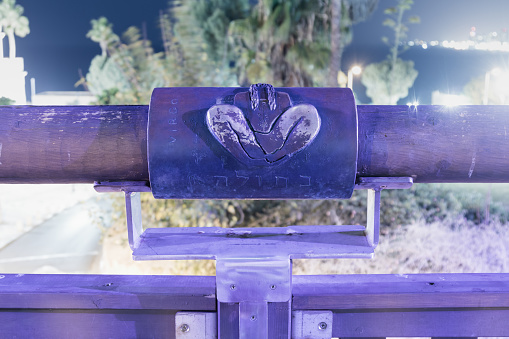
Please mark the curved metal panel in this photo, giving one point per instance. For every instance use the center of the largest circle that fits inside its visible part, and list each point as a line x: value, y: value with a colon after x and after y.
x: 256, y: 143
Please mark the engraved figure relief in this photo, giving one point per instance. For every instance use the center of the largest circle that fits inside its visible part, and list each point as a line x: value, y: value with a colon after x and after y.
x: 262, y: 127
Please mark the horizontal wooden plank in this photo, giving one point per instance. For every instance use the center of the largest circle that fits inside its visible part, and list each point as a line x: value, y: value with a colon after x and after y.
x: 100, y: 292
x: 420, y: 305
x: 339, y: 292
x: 83, y: 306
x: 84, y: 324
x: 448, y: 323
x: 419, y: 291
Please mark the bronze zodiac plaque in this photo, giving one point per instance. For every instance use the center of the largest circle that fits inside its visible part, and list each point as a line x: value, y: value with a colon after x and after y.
x: 255, y: 143
x: 269, y: 132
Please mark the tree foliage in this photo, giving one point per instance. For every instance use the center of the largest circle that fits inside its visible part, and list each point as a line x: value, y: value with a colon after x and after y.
x: 389, y: 80
x: 386, y: 82
x: 13, y: 23
x: 495, y: 83
x: 226, y: 43
x: 293, y: 43
x: 127, y: 70
x: 102, y: 33
x: 6, y: 101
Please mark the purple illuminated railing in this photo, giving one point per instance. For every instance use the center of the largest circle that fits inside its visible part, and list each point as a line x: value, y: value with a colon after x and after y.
x: 108, y: 145
x: 83, y: 144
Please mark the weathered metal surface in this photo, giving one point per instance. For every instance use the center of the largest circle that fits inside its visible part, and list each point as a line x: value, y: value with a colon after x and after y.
x: 214, y: 143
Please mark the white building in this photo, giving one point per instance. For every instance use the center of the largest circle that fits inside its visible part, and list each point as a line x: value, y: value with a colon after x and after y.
x: 438, y: 98
x: 67, y: 98
x: 12, y: 80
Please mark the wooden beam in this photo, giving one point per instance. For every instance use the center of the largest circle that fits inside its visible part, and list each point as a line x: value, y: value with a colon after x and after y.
x: 434, y: 143
x: 413, y: 305
x: 437, y: 305
x: 82, y: 144
x: 404, y: 291
x: 72, y: 144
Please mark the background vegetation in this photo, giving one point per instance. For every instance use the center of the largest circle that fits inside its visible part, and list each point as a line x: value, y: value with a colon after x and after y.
x: 285, y: 43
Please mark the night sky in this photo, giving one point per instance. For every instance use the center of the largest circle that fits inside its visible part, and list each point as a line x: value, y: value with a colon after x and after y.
x: 57, y: 47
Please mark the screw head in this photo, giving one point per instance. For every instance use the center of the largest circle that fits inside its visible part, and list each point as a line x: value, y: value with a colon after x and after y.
x: 322, y: 326
x: 185, y: 328
x: 233, y: 287
x: 273, y: 287
x: 253, y: 318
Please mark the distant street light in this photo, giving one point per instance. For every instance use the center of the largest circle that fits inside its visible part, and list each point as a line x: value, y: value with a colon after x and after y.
x: 355, y: 70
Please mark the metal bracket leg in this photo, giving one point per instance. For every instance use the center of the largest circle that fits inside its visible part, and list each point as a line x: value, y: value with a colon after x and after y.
x: 373, y: 222
x: 133, y: 214
x: 375, y: 185
x: 132, y: 191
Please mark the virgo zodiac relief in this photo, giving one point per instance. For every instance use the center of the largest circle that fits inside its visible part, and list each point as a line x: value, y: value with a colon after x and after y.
x: 262, y: 127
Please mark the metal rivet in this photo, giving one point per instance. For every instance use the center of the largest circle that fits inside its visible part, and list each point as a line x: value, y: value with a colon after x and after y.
x: 253, y: 318
x: 273, y: 287
x: 232, y: 287
x: 133, y: 194
x: 185, y: 328
x: 322, y: 326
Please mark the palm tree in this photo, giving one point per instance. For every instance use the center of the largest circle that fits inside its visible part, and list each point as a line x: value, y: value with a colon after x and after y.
x: 13, y: 22
x: 102, y: 33
x: 297, y: 42
x: 2, y: 34
x: 343, y: 14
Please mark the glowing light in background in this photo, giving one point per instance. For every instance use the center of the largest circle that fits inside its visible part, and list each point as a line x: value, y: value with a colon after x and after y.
x: 355, y: 70
x: 448, y: 99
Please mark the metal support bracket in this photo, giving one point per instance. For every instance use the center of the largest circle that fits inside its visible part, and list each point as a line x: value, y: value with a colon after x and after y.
x: 253, y: 283
x: 296, y: 241
x: 375, y: 185
x: 196, y: 325
x: 253, y: 265
x: 311, y: 324
x: 132, y: 191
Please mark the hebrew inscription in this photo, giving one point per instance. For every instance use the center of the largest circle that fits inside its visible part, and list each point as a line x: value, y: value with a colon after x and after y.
x: 265, y: 132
